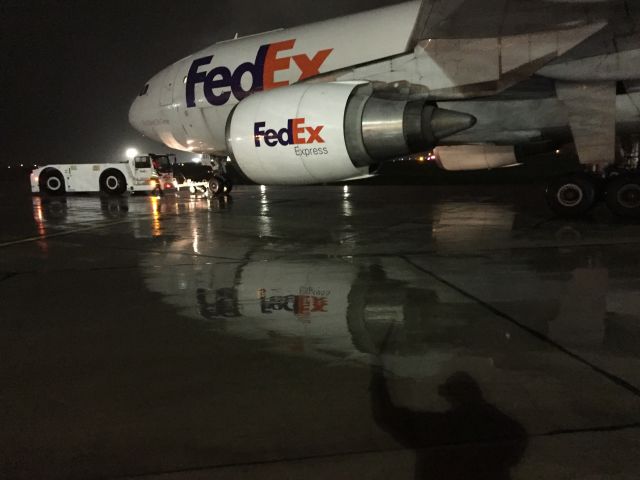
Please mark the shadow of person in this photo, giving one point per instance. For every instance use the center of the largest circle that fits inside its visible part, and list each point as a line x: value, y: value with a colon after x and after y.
x: 472, y: 440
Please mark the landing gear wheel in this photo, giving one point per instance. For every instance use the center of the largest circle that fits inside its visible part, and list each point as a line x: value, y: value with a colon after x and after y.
x: 573, y: 195
x: 228, y: 186
x: 52, y: 183
x: 623, y: 196
x: 113, y: 183
x: 216, y: 186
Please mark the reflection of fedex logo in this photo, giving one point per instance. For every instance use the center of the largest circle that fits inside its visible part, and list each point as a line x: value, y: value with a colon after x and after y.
x: 295, y: 133
x: 220, y: 83
x: 299, y: 305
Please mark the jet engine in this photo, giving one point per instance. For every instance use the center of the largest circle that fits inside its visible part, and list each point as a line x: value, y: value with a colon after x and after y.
x: 329, y: 132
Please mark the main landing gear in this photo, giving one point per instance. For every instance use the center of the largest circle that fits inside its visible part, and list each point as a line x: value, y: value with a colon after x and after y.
x: 572, y: 195
x: 623, y: 195
x: 577, y: 194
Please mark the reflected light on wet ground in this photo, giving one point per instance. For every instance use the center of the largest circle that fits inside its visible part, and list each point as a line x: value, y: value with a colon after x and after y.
x: 429, y: 333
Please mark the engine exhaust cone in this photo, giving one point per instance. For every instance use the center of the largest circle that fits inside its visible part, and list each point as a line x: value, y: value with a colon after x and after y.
x: 426, y: 125
x: 380, y: 129
x: 445, y: 123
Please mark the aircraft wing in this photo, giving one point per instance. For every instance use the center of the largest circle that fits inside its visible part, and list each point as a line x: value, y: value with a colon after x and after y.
x: 447, y: 63
x: 496, y: 18
x: 529, y: 35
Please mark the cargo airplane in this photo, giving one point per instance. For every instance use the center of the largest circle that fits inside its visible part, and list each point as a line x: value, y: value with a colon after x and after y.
x: 485, y: 83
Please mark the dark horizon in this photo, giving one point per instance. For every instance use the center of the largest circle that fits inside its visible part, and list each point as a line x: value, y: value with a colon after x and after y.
x: 71, y: 69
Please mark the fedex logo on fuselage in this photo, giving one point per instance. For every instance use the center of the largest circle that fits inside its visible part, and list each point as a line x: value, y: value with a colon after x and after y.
x: 295, y: 133
x: 220, y: 82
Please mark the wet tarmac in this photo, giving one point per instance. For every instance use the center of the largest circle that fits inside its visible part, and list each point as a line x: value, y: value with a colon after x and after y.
x: 372, y: 332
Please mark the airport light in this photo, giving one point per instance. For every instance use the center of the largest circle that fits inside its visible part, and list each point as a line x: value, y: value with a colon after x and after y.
x: 132, y: 153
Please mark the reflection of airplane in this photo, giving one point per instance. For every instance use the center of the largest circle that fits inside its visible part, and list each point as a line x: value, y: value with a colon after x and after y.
x: 337, y: 309
x: 476, y: 77
x: 386, y: 313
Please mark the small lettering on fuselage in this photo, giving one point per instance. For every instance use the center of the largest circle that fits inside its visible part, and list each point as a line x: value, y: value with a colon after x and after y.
x: 220, y: 83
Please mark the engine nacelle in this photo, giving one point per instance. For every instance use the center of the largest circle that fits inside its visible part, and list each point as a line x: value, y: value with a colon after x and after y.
x: 330, y: 132
x: 475, y: 157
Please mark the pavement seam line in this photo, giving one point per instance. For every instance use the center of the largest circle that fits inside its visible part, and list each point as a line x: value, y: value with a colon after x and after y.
x: 81, y: 230
x: 605, y: 429
x: 7, y: 276
x: 60, y: 234
x: 619, y: 381
x: 204, y: 469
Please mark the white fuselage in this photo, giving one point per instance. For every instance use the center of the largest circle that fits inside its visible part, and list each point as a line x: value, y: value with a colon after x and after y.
x: 186, y: 106
x: 198, y: 104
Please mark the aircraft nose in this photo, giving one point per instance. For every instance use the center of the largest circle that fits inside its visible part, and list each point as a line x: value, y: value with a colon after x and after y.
x: 142, y: 115
x: 136, y: 116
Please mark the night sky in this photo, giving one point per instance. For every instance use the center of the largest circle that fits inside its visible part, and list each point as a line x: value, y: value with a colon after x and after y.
x: 71, y: 68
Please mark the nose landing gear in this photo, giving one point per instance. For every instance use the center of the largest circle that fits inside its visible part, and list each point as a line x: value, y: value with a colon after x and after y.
x: 220, y: 185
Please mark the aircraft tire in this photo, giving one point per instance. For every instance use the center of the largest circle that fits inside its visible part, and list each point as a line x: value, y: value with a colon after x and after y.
x: 228, y: 185
x: 573, y: 195
x: 216, y: 186
x: 112, y: 182
x: 623, y: 196
x: 52, y: 182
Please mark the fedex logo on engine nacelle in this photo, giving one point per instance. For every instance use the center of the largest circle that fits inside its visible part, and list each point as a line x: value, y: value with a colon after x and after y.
x: 220, y: 82
x: 295, y: 133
